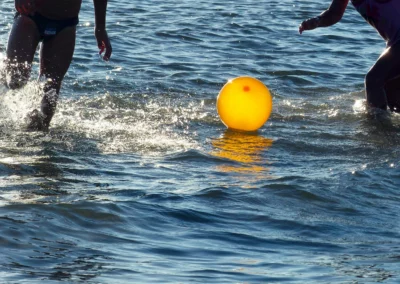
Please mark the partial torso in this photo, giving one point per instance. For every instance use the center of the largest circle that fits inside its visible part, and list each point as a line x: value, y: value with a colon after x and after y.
x: 59, y: 9
x: 383, y: 15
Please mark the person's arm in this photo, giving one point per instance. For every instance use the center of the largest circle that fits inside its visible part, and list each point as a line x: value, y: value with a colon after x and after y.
x: 103, y: 42
x: 327, y: 18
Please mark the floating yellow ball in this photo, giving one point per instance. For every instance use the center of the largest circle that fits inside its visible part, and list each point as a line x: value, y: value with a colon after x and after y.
x: 244, y: 103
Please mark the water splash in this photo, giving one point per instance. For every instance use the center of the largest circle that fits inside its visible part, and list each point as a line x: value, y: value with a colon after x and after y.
x: 119, y: 123
x: 16, y: 104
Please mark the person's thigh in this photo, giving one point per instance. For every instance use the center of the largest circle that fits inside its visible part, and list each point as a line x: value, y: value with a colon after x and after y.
x: 387, y: 67
x: 56, y: 56
x: 22, y: 43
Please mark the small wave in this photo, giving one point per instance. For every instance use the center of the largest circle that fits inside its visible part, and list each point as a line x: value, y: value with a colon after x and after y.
x: 191, y: 154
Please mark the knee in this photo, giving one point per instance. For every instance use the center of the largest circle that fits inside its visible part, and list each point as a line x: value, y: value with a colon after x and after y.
x: 52, y: 85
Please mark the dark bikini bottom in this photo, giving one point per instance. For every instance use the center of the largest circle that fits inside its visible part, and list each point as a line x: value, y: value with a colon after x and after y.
x: 49, y: 28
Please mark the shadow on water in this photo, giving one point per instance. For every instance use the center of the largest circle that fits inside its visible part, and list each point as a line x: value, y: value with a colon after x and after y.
x: 81, y: 269
x: 44, y: 215
x: 56, y: 241
x: 35, y: 167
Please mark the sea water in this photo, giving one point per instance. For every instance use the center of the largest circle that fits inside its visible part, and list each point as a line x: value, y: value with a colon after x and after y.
x: 138, y: 181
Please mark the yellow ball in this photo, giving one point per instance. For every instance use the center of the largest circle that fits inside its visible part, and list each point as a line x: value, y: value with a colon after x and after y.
x: 244, y: 103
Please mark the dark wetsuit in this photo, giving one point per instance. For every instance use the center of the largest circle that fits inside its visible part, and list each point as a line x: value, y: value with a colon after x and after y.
x: 48, y: 28
x: 383, y: 15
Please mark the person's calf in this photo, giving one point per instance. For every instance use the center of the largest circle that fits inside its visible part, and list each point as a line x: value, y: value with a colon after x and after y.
x: 49, y: 105
x: 375, y: 90
x: 40, y: 120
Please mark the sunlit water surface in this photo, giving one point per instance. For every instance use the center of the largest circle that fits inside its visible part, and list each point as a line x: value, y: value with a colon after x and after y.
x: 138, y: 181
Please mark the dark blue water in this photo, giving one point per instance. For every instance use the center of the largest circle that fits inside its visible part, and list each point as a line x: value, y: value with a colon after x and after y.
x: 138, y: 181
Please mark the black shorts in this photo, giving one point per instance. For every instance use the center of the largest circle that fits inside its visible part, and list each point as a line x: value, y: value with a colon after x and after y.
x: 48, y: 28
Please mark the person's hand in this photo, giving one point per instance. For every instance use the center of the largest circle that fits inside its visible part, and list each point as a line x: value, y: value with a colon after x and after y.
x: 309, y: 24
x: 103, y: 42
x: 27, y: 7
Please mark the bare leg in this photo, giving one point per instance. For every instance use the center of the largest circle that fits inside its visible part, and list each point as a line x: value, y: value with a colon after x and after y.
x: 392, y: 89
x: 385, y: 69
x: 56, y: 57
x: 22, y: 43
